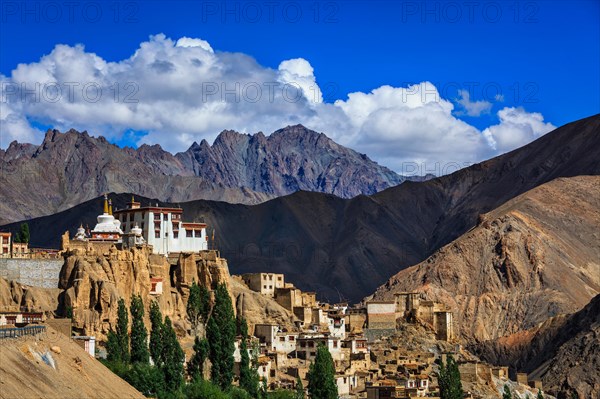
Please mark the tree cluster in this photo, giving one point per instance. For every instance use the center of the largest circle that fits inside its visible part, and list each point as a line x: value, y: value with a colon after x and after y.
x: 449, y: 380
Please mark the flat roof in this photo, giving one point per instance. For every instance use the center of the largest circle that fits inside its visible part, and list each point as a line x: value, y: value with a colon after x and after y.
x: 149, y: 209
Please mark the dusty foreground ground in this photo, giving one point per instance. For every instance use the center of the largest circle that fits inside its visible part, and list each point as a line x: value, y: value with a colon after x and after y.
x: 25, y: 372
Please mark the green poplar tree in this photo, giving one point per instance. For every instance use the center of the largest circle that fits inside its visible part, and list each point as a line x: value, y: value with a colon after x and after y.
x: 506, y: 394
x: 299, y: 389
x: 248, y: 374
x: 540, y: 395
x: 195, y: 367
x: 117, y: 345
x: 172, y: 357
x: 221, y: 337
x: 139, y: 334
x: 193, y: 306
x: 449, y: 380
x: 321, y: 376
x: 24, y: 236
x: 156, y: 340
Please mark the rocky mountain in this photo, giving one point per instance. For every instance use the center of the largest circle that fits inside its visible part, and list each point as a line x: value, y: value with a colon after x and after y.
x: 73, y: 167
x: 348, y: 247
x: 564, y: 352
x: 534, y: 257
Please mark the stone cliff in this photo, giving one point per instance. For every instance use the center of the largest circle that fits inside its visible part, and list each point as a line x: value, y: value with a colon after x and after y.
x: 95, y: 276
x: 535, y: 257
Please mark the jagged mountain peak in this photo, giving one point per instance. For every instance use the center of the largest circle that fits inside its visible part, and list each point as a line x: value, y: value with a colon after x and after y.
x: 237, y: 167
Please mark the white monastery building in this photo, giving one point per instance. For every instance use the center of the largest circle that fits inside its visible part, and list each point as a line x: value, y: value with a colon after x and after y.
x: 162, y: 228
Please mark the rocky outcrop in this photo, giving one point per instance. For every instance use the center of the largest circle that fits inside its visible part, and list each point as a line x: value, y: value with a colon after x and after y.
x: 73, y: 167
x: 564, y: 352
x: 95, y: 278
x: 16, y: 297
x: 290, y: 159
x: 535, y: 257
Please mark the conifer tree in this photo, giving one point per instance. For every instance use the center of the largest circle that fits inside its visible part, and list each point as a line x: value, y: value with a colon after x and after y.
x: 172, y: 357
x: 118, y: 341
x: 156, y: 340
x: 193, y: 306
x: 506, y: 394
x: 139, y: 334
x: 321, y: 376
x: 299, y: 389
x: 195, y: 367
x: 24, y: 236
x: 221, y: 337
x: 540, y: 395
x: 449, y: 380
x: 248, y: 375
x: 198, y: 305
x: 204, y: 303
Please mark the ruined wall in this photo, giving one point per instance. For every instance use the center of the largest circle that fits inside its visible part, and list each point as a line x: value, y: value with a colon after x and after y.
x: 35, y: 272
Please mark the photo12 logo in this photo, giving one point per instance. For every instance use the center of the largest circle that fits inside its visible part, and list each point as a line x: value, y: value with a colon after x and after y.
x: 61, y: 12
x: 252, y: 12
x: 470, y: 12
x: 54, y: 92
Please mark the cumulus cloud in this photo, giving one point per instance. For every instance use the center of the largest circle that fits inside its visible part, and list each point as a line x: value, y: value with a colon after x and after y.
x: 180, y: 91
x: 473, y: 108
x: 517, y: 127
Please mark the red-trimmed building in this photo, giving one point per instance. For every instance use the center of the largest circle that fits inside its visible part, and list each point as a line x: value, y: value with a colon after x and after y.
x: 163, y: 228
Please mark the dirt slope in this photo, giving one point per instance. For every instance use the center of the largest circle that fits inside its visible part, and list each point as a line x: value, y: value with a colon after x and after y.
x: 77, y: 375
x: 534, y: 257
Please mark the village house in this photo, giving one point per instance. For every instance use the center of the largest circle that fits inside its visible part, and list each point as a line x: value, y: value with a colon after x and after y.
x: 20, y: 319
x: 5, y: 244
x: 265, y: 283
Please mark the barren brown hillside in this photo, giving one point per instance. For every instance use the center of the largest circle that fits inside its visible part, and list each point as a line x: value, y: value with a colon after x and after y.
x: 534, y: 257
x: 76, y: 374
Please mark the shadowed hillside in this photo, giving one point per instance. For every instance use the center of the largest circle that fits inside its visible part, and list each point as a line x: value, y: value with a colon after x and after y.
x: 348, y: 248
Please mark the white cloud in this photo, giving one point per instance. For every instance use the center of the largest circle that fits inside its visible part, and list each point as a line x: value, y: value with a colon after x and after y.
x: 183, y: 91
x: 298, y: 72
x: 517, y: 127
x: 473, y: 108
x: 191, y: 42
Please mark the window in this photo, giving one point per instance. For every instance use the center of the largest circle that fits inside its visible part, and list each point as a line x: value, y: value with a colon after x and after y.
x: 271, y: 277
x: 188, y: 233
x: 279, y: 278
x: 157, y: 234
x: 292, y: 338
x: 157, y: 216
x: 335, y: 344
x: 165, y: 216
x: 281, y: 339
x: 175, y: 234
x: 265, y: 287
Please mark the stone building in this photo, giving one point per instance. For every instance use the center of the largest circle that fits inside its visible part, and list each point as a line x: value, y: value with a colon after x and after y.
x: 381, y: 315
x: 265, y: 283
x: 5, y: 241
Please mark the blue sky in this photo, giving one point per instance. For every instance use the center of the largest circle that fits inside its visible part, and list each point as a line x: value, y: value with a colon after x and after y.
x: 541, y: 56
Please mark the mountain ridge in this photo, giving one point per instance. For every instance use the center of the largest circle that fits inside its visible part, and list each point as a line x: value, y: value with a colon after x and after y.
x: 72, y: 167
x: 348, y: 247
